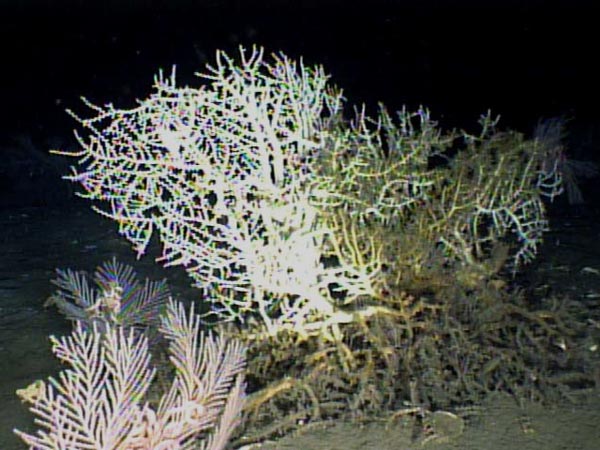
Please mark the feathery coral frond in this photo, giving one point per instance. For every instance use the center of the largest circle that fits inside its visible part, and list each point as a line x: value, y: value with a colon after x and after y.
x: 118, y: 299
x: 97, y: 402
x: 93, y: 404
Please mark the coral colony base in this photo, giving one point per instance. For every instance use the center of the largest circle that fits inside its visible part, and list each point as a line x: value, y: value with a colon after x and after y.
x: 362, y: 262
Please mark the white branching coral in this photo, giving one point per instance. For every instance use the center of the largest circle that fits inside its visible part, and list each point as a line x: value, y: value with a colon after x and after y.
x: 259, y: 187
x: 98, y: 402
x: 223, y: 174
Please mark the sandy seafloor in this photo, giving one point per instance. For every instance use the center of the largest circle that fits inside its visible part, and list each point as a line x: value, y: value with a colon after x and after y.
x: 34, y: 242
